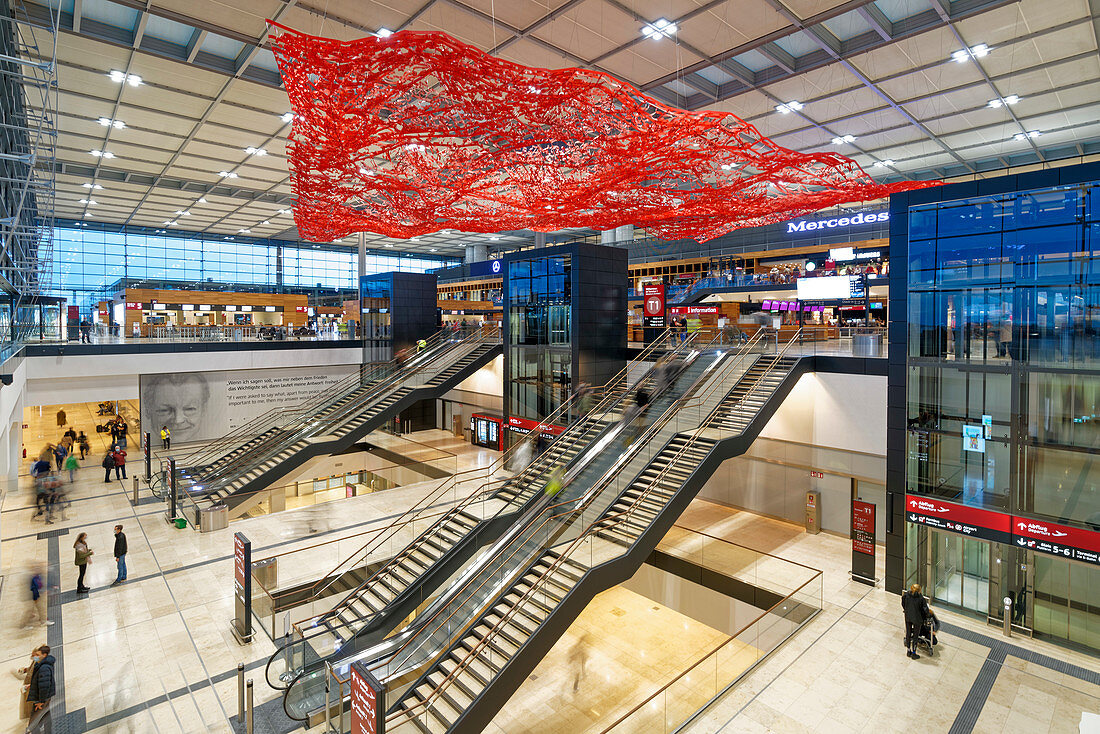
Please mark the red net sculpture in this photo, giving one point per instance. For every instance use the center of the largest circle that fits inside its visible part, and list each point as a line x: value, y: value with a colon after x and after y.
x: 418, y: 132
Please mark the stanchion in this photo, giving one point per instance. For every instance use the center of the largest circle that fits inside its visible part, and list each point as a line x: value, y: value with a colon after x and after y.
x: 1008, y: 616
x: 240, y: 693
x: 148, y: 456
x: 248, y: 713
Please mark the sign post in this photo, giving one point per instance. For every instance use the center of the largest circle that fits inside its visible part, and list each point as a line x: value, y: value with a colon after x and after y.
x: 863, y: 542
x: 172, y: 514
x: 654, y: 319
x: 242, y: 588
x: 367, y: 701
x: 147, y: 446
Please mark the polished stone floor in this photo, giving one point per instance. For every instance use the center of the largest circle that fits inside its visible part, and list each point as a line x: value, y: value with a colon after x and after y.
x: 156, y: 654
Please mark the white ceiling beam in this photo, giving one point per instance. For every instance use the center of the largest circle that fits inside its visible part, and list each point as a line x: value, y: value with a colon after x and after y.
x: 195, y: 44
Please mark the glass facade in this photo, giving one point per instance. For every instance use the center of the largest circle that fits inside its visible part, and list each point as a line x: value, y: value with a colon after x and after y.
x: 540, y: 328
x: 1002, y: 380
x: 87, y: 262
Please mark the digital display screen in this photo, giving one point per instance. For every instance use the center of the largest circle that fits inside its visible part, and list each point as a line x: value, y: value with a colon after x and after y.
x: 833, y: 287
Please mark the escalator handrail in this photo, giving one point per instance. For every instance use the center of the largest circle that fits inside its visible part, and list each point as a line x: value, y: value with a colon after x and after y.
x: 312, y: 403
x: 593, y: 527
x: 578, y: 505
x: 427, y: 502
x: 285, y: 439
x: 476, y: 496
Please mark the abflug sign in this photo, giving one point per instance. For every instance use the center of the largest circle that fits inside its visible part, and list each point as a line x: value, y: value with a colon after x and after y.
x: 813, y: 225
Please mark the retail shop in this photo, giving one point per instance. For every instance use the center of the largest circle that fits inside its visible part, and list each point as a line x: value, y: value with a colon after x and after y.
x: 162, y: 313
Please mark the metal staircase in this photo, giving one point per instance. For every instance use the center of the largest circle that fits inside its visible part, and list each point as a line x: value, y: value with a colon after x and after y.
x: 491, y: 652
x: 244, y: 462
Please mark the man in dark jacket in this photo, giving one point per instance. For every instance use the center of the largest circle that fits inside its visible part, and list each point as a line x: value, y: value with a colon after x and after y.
x: 915, y: 607
x: 41, y: 687
x: 120, y: 555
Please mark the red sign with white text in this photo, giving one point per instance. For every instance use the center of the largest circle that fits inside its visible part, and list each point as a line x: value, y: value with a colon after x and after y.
x: 1058, y: 540
x: 863, y: 527
x: 973, y: 522
x: 364, y: 703
x: 653, y: 306
x: 686, y: 310
x: 526, y: 424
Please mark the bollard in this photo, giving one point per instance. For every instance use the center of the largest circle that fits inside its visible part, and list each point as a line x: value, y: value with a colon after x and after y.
x: 135, y: 490
x: 240, y: 693
x: 248, y: 712
x: 1008, y: 616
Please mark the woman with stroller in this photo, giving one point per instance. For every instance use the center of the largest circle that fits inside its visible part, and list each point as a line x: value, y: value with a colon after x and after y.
x: 917, y: 612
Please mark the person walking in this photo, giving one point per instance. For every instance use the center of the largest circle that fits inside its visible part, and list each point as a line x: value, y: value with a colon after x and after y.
x: 120, y: 555
x: 915, y: 607
x: 61, y: 418
x: 42, y: 686
x: 59, y: 454
x: 119, y: 457
x: 123, y: 430
x: 165, y: 438
x: 108, y: 465
x: 84, y: 444
x: 83, y: 558
x: 37, y: 609
x: 71, y: 465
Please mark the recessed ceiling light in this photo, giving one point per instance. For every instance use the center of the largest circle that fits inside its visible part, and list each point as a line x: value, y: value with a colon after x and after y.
x: 283, y: 211
x: 227, y: 174
x: 388, y: 245
x: 414, y: 239
x: 287, y: 117
x: 95, y: 186
x: 108, y: 122
x: 789, y: 107
x: 431, y: 249
x: 89, y: 202
x: 202, y: 200
x: 102, y: 153
x: 1025, y: 136
x: 1001, y: 102
x: 884, y: 164
x: 974, y: 52
x: 120, y: 76
x: 183, y: 213
x: 255, y: 151
x: 658, y: 29
x: 842, y: 139
x: 384, y: 33
x: 244, y: 231
x: 266, y: 221
x: 494, y: 238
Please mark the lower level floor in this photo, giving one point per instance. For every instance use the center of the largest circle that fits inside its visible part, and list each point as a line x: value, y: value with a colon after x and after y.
x: 156, y: 654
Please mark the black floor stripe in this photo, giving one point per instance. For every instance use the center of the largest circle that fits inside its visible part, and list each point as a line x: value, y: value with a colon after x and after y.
x: 979, y: 693
x: 1091, y: 676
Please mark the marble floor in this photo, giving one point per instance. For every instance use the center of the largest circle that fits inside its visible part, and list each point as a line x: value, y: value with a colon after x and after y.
x: 156, y: 654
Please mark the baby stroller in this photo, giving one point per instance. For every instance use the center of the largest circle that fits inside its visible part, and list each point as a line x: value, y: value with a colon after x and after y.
x: 926, y: 639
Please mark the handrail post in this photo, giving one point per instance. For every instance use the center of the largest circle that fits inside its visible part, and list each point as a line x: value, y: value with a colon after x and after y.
x: 248, y: 721
x: 240, y: 693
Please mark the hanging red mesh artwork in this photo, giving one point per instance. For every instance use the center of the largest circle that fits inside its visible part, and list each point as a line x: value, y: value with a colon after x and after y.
x: 418, y: 132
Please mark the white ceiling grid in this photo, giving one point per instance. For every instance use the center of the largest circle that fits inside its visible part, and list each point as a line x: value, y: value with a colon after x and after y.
x: 878, y: 70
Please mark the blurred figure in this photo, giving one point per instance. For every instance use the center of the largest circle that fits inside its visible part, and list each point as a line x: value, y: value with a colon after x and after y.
x: 37, y: 610
x: 555, y: 482
x: 578, y: 660
x: 523, y: 456
x: 71, y: 465
x: 85, y: 446
x: 584, y: 398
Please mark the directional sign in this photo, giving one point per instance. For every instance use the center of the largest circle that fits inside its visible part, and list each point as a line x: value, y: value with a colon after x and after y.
x: 1056, y: 540
x: 972, y: 522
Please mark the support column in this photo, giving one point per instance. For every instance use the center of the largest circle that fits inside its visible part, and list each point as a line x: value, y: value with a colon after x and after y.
x: 359, y: 285
x: 618, y: 237
x: 477, y: 253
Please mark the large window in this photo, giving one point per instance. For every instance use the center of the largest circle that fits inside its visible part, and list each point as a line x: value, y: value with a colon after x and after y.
x: 87, y: 262
x: 1004, y: 346
x: 539, y: 316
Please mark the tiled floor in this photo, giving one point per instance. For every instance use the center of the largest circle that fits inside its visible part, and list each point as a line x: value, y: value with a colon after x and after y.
x: 157, y: 654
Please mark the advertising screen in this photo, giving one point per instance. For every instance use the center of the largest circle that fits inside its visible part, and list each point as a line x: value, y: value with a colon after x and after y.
x: 828, y: 288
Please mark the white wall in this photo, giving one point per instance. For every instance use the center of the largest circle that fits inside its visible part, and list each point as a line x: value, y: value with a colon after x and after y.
x: 840, y: 411
x: 489, y: 380
x: 92, y: 378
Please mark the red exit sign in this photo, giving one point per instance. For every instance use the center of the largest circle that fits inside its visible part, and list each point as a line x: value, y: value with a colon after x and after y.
x: 817, y: 475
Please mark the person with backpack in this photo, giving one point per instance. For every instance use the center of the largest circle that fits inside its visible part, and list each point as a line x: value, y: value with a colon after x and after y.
x: 119, y: 457
x: 59, y: 453
x: 40, y: 470
x: 42, y: 685
x: 165, y: 438
x: 108, y: 465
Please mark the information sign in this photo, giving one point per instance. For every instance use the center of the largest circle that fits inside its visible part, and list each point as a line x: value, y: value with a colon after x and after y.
x: 242, y: 585
x: 367, y: 701
x: 1056, y: 540
x: 863, y: 541
x: 972, y: 522
x: 653, y: 306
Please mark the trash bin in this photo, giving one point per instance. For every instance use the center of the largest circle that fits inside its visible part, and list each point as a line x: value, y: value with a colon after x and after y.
x: 215, y: 517
x: 180, y: 522
x: 867, y: 345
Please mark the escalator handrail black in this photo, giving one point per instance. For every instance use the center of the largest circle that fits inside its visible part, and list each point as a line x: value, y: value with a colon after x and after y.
x: 418, y: 365
x: 593, y: 527
x: 427, y: 502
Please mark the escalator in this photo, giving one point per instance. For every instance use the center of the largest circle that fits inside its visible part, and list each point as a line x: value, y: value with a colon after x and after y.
x: 414, y: 574
x: 252, y: 458
x: 473, y: 656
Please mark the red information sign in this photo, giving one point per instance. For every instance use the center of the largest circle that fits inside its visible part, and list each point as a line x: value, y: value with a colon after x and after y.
x: 970, y: 521
x: 526, y: 424
x: 366, y: 714
x: 863, y: 527
x: 1057, y: 540
x: 687, y: 310
x: 653, y: 306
